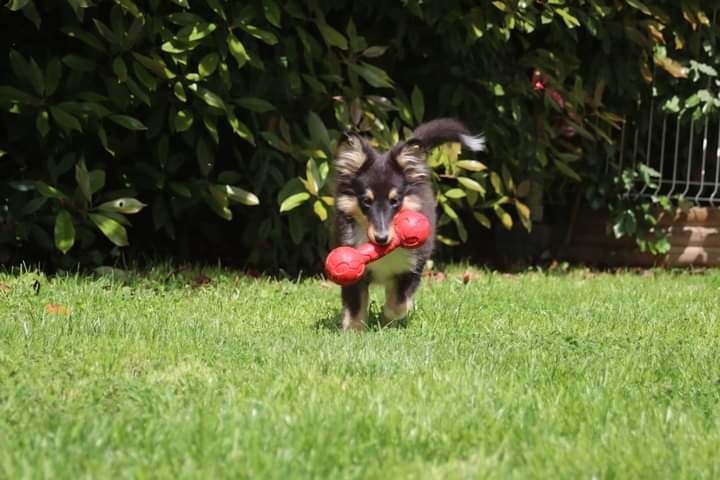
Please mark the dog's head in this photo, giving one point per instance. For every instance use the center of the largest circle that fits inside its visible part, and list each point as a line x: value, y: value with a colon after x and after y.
x: 372, y: 186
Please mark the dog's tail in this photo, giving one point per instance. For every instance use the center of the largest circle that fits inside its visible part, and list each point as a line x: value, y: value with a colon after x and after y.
x: 435, y: 132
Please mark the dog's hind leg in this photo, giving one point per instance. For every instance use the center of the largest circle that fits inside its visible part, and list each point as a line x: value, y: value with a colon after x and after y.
x: 355, y: 306
x: 398, y: 297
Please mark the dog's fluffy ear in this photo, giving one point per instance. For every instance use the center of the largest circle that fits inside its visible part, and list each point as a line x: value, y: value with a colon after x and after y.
x: 412, y: 160
x: 351, y: 155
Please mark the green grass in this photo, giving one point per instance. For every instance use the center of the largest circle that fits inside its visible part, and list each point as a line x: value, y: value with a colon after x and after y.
x: 525, y: 376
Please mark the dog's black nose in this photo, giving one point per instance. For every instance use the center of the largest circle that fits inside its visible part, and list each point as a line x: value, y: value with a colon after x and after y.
x: 381, y: 239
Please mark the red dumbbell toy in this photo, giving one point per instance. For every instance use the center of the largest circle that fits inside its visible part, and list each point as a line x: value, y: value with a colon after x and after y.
x: 346, y: 265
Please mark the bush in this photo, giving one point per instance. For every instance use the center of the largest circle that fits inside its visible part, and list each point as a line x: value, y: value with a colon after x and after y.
x: 176, y: 113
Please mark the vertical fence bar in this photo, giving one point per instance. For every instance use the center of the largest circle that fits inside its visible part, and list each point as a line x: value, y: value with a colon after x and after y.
x: 662, y: 156
x: 689, y: 164
x: 675, y: 161
x: 702, y: 165
x: 717, y: 169
x: 649, y: 143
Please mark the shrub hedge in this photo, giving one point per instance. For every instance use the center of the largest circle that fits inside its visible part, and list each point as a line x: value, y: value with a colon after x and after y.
x: 180, y: 116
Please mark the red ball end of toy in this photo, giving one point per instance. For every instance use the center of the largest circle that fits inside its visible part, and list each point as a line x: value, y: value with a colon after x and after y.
x: 344, y: 266
x: 412, y: 228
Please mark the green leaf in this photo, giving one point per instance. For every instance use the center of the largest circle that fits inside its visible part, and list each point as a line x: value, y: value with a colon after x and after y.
x: 318, y: 132
x: 33, y: 205
x: 147, y: 79
x: 112, y: 229
x: 639, y: 6
x: 182, y: 3
x: 179, y: 91
x: 455, y: 193
x: 205, y: 157
x: 15, y: 5
x: 208, y: 64
x: 312, y: 175
x: 183, y: 120
x: 106, y: 33
x: 626, y: 224
x: 294, y: 201
x: 320, y: 210
x: 217, y: 7
x: 42, y: 123
x: 102, y: 135
x: 97, y: 180
x: 181, y: 189
x: 196, y: 32
x: 471, y: 165
x: 210, y: 98
x: 78, y: 63
x: 471, y: 184
x: 49, y: 191
x: 240, y: 129
x: 497, y: 183
x: 120, y: 69
x: 218, y: 201
x: 418, y: 104
x: 64, y: 231
x: 29, y: 70
x: 87, y: 38
x: 272, y: 11
x: 374, y: 51
x: 122, y: 205
x: 523, y: 189
x: 14, y: 95
x: 130, y: 7
x: 260, y: 34
x: 53, y: 73
x: 567, y: 171
x: 128, y: 122
x: 482, y: 220
x: 237, y: 194
x: 83, y: 180
x: 255, y: 104
x: 155, y: 65
x: 237, y: 49
x: 523, y: 212
x: 64, y: 119
x: 332, y: 37
x: 373, y: 75
x: 504, y: 217
x: 570, y: 20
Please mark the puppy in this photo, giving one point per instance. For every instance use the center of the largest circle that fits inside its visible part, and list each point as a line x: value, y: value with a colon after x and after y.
x: 370, y: 188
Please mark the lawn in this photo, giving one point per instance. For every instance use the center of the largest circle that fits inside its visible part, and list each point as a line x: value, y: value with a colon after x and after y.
x: 172, y: 374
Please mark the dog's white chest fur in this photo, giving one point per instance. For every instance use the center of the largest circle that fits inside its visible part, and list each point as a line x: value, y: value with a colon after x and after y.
x: 384, y: 269
x: 396, y: 262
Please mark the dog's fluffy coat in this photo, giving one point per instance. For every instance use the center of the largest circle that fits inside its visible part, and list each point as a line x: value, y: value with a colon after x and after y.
x: 370, y: 187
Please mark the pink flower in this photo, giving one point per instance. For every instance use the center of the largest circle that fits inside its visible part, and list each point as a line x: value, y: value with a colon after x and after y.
x: 556, y: 97
x: 539, y: 80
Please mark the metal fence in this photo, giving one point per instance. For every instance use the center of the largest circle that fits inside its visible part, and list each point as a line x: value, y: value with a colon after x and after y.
x: 685, y: 151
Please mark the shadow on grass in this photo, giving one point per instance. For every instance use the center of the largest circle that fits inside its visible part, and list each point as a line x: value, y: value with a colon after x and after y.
x: 333, y: 321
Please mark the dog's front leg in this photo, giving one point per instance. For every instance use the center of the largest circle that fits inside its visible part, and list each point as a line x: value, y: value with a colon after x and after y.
x: 398, y: 297
x: 355, y: 306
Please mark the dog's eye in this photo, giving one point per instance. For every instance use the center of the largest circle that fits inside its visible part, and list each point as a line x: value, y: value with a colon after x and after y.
x: 394, y: 202
x: 366, y: 202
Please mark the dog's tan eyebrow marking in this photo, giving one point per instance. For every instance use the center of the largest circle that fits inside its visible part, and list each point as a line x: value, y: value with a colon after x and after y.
x: 393, y: 194
x: 369, y: 193
x: 412, y: 202
x: 346, y: 204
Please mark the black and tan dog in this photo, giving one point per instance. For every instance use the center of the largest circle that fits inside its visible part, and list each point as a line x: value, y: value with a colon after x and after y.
x: 371, y: 187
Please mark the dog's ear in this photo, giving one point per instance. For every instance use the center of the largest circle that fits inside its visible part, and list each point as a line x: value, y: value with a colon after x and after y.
x: 351, y: 155
x: 411, y: 157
